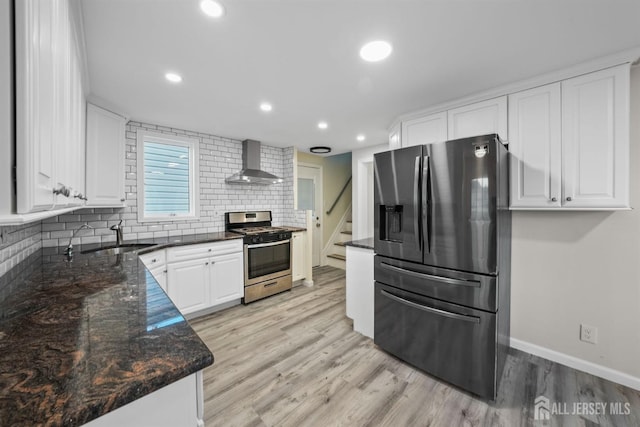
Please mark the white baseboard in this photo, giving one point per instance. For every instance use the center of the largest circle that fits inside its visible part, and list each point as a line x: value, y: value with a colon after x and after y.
x: 579, y: 364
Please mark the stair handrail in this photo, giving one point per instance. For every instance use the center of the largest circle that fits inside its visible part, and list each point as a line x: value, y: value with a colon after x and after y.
x: 339, y: 195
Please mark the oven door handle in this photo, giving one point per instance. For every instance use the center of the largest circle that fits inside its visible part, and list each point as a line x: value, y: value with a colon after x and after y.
x: 264, y: 245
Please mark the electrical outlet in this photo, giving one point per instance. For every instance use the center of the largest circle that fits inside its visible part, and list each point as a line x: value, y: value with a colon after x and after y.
x: 588, y: 333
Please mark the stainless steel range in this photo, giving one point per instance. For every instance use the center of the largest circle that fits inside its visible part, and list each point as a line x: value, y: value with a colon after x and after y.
x: 267, y: 253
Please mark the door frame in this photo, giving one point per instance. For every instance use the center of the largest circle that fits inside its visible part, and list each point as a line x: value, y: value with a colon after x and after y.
x: 316, y: 243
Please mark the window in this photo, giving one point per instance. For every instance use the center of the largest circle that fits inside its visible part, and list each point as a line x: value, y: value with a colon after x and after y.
x: 167, y: 177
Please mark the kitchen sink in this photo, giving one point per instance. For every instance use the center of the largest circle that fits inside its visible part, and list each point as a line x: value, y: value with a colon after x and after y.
x: 115, y: 250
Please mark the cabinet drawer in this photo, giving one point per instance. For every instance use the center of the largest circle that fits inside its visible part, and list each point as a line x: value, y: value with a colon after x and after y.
x: 153, y: 259
x: 202, y: 250
x: 455, y: 343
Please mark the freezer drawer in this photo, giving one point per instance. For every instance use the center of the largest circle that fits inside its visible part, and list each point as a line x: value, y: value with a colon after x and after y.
x: 468, y: 289
x: 454, y: 343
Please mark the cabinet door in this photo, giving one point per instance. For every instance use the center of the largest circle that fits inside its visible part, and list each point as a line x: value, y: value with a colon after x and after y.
x: 105, y: 157
x: 595, y: 139
x: 481, y: 118
x: 298, y: 255
x: 535, y: 147
x: 394, y: 137
x: 160, y: 274
x: 188, y: 284
x: 63, y: 143
x: 425, y: 130
x: 227, y: 277
x: 35, y: 104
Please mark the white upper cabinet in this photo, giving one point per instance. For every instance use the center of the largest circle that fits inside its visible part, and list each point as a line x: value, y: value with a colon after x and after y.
x: 425, y: 130
x: 569, y: 143
x: 394, y: 137
x: 35, y: 104
x: 534, y: 144
x: 595, y: 139
x: 480, y: 118
x: 50, y: 106
x: 105, y: 157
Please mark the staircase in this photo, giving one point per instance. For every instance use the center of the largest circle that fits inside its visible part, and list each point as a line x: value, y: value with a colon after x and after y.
x: 337, y: 257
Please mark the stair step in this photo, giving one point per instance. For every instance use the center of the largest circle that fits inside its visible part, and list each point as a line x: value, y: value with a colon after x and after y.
x: 349, y: 221
x: 337, y: 256
x: 339, y: 243
x: 346, y: 232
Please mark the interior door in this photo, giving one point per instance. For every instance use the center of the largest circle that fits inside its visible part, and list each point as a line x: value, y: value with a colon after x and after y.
x: 397, y: 203
x: 310, y: 198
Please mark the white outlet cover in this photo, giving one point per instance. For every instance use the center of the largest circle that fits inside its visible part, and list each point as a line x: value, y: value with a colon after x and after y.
x: 588, y: 333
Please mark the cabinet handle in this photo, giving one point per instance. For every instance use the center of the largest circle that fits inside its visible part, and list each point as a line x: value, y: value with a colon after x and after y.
x: 209, y: 249
x: 153, y: 260
x: 62, y: 190
x: 554, y: 199
x: 122, y: 199
x: 568, y: 199
x: 206, y: 263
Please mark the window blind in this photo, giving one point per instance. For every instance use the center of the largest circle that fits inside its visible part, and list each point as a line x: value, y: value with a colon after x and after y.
x: 166, y: 179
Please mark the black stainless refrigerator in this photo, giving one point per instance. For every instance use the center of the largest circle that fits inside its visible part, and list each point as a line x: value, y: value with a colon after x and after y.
x: 443, y: 255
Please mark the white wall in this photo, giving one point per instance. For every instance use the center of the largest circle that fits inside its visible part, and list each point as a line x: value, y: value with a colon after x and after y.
x: 361, y: 203
x: 582, y: 267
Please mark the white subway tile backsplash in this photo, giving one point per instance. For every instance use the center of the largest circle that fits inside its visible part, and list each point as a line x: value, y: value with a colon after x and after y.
x: 219, y: 158
x: 17, y: 243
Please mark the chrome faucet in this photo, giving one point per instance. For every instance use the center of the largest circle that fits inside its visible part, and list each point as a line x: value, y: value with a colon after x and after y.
x: 69, y: 250
x: 118, y: 229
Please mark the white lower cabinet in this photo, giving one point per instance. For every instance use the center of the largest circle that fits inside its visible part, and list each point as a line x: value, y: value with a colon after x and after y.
x: 298, y: 255
x: 188, y: 284
x: 227, y: 278
x: 178, y: 404
x: 360, y: 289
x: 200, y: 276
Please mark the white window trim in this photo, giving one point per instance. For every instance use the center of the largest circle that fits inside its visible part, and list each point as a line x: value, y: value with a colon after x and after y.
x: 194, y: 178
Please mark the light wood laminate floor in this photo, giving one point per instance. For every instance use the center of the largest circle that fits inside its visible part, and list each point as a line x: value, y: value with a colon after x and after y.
x: 294, y: 360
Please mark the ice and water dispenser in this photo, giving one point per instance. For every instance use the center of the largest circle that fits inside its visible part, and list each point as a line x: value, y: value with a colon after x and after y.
x: 391, y: 223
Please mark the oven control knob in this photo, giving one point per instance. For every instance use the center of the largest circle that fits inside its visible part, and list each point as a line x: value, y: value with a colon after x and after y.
x: 255, y: 239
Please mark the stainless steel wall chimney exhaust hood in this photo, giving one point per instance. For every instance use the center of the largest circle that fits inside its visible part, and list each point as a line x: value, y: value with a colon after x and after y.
x: 251, y: 172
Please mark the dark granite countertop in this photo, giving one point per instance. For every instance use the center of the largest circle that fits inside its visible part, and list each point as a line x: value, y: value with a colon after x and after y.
x: 361, y: 243
x: 293, y: 229
x: 80, y: 339
x: 167, y: 242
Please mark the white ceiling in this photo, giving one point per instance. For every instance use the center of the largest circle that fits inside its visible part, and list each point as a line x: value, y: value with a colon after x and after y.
x: 302, y: 56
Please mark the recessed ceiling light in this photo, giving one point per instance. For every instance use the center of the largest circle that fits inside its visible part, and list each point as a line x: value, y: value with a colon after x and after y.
x: 212, y: 8
x: 265, y: 106
x: 323, y: 125
x: 375, y: 51
x: 173, y: 77
x: 360, y: 137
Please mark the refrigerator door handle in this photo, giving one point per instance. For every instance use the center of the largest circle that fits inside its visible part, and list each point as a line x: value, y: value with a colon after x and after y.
x: 426, y: 198
x: 437, y: 311
x: 416, y: 202
x: 447, y: 280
